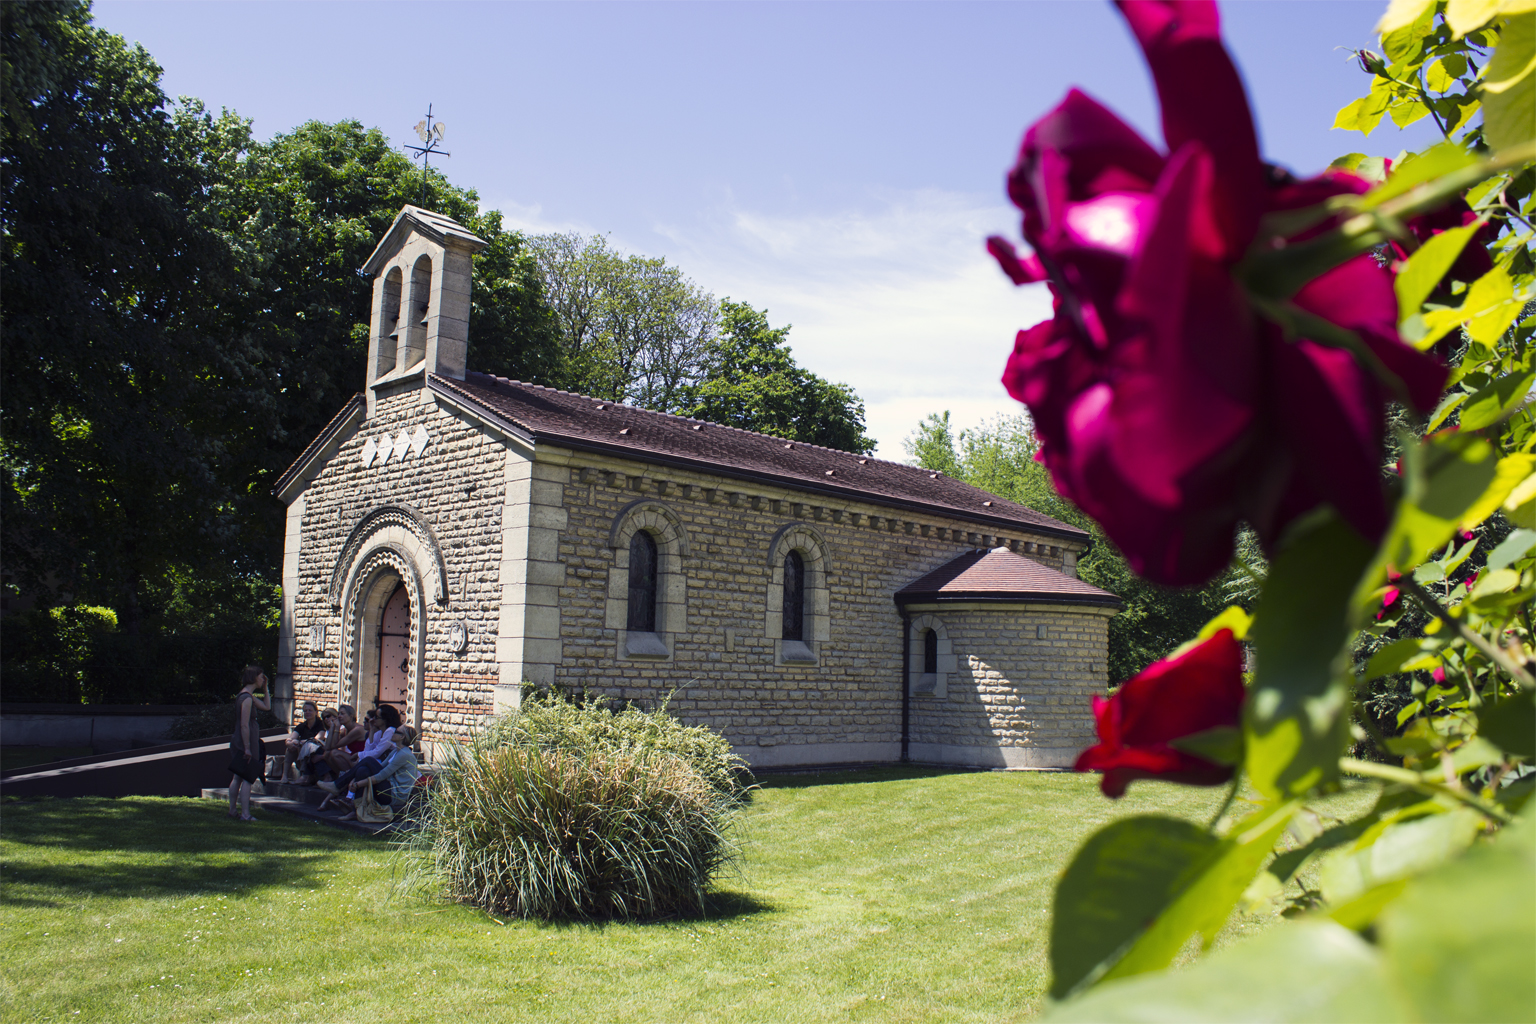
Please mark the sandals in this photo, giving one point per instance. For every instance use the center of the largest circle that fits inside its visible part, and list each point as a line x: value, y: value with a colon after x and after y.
x: 249, y: 817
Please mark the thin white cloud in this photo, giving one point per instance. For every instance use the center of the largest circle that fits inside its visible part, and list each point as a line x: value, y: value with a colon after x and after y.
x: 898, y: 299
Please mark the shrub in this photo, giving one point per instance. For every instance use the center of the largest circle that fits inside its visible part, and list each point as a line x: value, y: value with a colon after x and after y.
x: 572, y: 811
x: 555, y: 721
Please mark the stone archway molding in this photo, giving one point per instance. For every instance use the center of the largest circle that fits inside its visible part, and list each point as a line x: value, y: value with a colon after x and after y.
x: 415, y: 540
x: 667, y: 523
x: 379, y: 559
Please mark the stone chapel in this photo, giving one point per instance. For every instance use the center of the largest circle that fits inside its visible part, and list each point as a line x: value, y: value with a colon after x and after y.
x: 454, y: 538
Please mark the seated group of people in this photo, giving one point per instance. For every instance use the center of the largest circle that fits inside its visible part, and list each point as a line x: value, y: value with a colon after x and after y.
x: 341, y: 755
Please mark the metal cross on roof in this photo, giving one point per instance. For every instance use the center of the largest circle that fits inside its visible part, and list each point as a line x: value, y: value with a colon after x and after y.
x: 431, y: 134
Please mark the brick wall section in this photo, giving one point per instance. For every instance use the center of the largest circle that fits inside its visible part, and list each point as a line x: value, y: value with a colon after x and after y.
x: 1016, y: 698
x: 457, y: 483
x: 723, y: 672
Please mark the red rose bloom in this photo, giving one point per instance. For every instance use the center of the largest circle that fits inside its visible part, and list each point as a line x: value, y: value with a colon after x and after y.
x: 1474, y: 260
x: 1166, y: 408
x: 1200, y: 689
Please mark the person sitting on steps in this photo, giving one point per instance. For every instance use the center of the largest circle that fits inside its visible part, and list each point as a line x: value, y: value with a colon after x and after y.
x: 392, y: 779
x: 301, y: 743
x: 348, y: 744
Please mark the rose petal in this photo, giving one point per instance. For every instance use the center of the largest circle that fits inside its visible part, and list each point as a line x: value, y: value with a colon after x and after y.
x: 1202, y: 99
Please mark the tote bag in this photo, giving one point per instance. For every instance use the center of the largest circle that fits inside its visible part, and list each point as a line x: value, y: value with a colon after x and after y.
x: 369, y: 809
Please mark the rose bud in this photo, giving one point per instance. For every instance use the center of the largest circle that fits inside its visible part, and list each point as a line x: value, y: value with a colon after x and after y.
x: 1171, y: 700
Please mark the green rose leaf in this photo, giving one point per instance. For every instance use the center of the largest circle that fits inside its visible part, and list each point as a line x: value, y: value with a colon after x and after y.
x: 1427, y: 267
x: 1491, y: 403
x: 1206, y: 903
x: 1390, y: 659
x: 1511, y: 549
x: 1140, y: 887
x: 1221, y: 745
x: 1295, y: 720
x: 1124, y: 876
x: 1460, y: 940
x: 1445, y: 478
x: 1511, y: 724
x: 1400, y: 850
x: 1509, y: 85
x: 1308, y: 970
x: 1435, y: 162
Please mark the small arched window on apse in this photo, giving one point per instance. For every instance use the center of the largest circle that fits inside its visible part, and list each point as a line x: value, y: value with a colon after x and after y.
x: 647, y: 603
x: 932, y: 657
x: 643, y: 573
x: 794, y: 596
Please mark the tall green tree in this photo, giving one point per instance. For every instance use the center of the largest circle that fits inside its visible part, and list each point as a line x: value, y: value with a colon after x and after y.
x: 182, y: 312
x: 999, y: 456
x: 632, y: 328
x: 120, y: 360
x: 750, y: 380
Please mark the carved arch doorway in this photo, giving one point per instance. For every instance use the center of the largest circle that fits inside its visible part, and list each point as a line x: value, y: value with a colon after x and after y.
x: 392, y: 685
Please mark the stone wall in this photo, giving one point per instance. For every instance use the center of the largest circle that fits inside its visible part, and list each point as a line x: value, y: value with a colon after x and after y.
x: 457, y: 485
x: 535, y: 551
x: 724, y: 670
x: 1021, y: 687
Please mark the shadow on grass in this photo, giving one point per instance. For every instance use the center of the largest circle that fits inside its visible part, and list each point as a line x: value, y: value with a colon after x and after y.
x: 719, y: 905
x: 151, y: 848
x: 848, y: 776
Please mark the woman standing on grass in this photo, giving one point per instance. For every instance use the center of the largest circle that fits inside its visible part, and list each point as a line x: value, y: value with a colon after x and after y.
x: 247, y: 758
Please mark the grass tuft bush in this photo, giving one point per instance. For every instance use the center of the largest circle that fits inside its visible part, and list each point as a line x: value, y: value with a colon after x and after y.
x: 566, y: 811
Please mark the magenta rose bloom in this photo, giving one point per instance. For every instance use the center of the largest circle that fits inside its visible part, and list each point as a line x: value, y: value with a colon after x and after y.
x: 1200, y: 689
x: 1167, y: 409
x: 1474, y: 260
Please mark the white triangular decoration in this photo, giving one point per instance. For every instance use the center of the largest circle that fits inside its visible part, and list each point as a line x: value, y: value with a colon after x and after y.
x: 402, y: 444
x: 370, y: 452
x: 419, y: 441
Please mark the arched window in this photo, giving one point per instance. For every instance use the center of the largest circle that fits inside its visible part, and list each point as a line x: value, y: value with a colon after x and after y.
x: 930, y: 652
x: 642, y: 583
x: 794, y: 596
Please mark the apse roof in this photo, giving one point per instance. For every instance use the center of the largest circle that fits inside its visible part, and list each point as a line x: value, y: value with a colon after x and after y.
x: 540, y: 414
x: 998, y: 574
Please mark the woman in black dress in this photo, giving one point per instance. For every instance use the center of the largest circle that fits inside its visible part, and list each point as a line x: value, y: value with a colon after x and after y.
x: 247, y: 757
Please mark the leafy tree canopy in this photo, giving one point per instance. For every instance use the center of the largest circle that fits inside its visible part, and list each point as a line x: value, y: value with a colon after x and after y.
x: 183, y: 312
x: 750, y: 380
x: 631, y: 328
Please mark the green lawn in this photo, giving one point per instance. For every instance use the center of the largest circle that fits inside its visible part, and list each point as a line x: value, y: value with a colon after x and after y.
x: 892, y: 895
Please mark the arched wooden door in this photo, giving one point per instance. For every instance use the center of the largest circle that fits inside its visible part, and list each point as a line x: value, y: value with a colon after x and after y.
x: 395, y: 650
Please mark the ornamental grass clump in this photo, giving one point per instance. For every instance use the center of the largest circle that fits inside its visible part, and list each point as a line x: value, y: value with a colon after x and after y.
x: 568, y: 811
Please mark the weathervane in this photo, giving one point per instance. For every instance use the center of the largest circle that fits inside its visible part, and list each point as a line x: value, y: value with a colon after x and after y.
x: 431, y: 134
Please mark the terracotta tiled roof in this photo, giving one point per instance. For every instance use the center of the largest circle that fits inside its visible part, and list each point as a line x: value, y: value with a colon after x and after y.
x: 1001, y: 575
x: 590, y: 424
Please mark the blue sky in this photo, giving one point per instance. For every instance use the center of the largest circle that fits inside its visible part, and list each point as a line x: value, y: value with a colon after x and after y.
x: 837, y: 163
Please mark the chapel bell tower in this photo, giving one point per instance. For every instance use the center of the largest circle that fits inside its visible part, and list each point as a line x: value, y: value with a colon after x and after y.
x: 419, y: 322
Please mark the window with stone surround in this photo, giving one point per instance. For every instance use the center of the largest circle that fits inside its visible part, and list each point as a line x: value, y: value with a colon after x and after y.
x: 930, y: 657
x: 798, y: 566
x: 647, y: 604
x: 794, y: 597
x: 642, y: 583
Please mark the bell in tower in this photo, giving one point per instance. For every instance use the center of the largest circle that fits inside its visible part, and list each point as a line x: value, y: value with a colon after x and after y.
x: 420, y: 319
